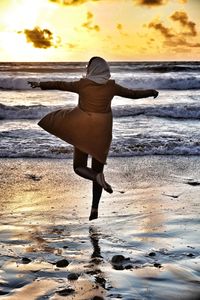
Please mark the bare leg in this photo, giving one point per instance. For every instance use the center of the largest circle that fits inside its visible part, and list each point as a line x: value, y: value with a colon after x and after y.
x: 96, y: 189
x: 80, y: 168
x: 80, y: 165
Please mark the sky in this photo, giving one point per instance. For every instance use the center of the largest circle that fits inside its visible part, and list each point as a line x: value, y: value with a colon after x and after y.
x: 118, y: 30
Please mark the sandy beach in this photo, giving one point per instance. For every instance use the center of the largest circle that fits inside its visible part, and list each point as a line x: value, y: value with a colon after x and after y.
x: 145, y: 244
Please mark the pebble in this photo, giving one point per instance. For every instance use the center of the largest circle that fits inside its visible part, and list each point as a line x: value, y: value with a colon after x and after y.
x: 128, y: 267
x: 116, y: 296
x: 62, y: 263
x: 157, y: 265
x: 118, y: 267
x: 117, y: 259
x: 193, y: 183
x: 26, y: 260
x: 152, y: 254
x: 65, y: 292
x: 73, y: 276
x: 190, y: 255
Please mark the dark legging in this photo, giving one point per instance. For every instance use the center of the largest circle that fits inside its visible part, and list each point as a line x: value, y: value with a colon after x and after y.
x: 80, y: 168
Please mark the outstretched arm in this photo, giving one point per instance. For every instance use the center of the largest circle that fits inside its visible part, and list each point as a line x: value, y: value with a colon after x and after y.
x: 71, y: 86
x: 134, y: 94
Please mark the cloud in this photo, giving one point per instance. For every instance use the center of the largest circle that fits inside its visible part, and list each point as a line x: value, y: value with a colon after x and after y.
x: 40, y: 38
x: 72, y: 2
x: 88, y: 24
x: 181, y: 41
x: 173, y: 38
x: 166, y: 32
x: 154, y: 3
x: 150, y: 2
x: 119, y: 26
x: 182, y: 18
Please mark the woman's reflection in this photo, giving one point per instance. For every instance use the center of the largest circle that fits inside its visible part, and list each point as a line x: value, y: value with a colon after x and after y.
x: 94, y: 238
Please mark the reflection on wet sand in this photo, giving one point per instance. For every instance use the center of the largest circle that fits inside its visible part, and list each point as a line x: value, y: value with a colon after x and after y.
x: 153, y: 221
x: 144, y: 245
x: 41, y: 275
x: 94, y: 238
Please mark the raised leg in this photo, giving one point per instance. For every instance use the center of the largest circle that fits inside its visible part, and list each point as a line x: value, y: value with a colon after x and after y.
x: 80, y: 165
x: 95, y: 173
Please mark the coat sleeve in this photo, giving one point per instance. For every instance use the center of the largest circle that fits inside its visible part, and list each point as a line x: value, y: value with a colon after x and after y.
x: 69, y: 86
x: 133, y: 94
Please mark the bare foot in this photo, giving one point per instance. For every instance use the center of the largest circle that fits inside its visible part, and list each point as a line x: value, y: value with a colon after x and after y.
x: 101, y: 181
x: 93, y: 214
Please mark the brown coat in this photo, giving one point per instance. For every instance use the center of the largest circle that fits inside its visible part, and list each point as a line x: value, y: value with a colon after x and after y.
x: 88, y: 126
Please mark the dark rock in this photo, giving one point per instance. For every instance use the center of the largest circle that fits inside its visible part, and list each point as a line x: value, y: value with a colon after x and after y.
x: 73, y: 276
x: 97, y: 298
x: 116, y: 259
x: 115, y: 296
x: 4, y: 292
x: 152, y: 254
x: 66, y: 292
x: 128, y: 267
x: 65, y: 247
x: 190, y: 255
x: 118, y: 267
x: 193, y: 183
x: 35, y: 271
x: 157, y: 265
x: 62, y: 263
x: 26, y: 260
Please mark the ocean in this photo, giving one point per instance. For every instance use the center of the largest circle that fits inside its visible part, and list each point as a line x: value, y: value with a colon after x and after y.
x: 167, y: 125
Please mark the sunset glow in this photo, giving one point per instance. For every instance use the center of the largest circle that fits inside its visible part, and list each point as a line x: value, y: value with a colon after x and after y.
x: 74, y: 30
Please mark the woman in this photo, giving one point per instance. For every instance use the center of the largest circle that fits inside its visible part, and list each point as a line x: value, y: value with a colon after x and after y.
x: 88, y: 127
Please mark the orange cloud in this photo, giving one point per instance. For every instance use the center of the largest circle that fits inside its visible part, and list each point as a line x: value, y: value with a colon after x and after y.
x: 150, y: 2
x: 166, y: 32
x: 119, y: 26
x: 181, y: 41
x: 40, y: 38
x: 154, y: 3
x: 183, y: 19
x: 72, y: 2
x: 176, y: 39
x: 88, y: 24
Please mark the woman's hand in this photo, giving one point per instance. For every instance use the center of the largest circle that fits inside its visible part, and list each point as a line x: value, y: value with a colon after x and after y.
x: 155, y: 93
x: 34, y: 84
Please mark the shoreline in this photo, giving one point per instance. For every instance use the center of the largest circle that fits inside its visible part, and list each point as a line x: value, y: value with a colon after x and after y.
x: 151, y: 220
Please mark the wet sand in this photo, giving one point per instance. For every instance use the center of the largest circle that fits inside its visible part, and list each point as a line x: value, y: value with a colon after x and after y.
x: 145, y: 244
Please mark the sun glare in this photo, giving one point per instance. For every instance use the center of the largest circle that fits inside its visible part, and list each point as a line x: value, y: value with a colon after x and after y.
x: 17, y: 49
x: 49, y: 30
x: 16, y: 19
x: 22, y: 16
